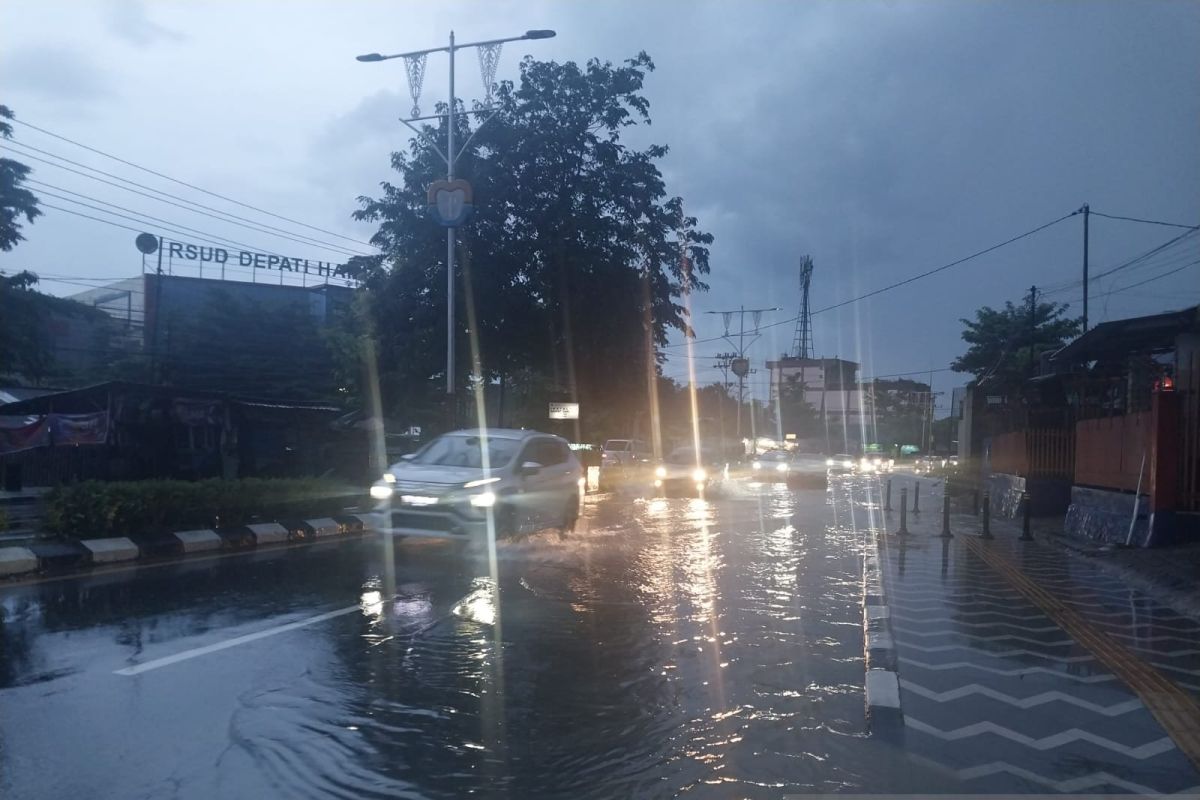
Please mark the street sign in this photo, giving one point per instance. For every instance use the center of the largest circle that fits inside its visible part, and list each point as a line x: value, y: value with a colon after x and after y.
x: 414, y: 431
x: 564, y: 411
x: 740, y: 367
x: 451, y: 202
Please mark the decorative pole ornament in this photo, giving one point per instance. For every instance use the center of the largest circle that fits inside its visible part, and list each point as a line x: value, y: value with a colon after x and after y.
x: 451, y: 203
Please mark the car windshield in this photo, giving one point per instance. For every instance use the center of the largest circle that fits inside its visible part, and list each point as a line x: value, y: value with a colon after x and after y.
x: 687, y: 455
x: 613, y: 445
x: 774, y: 455
x: 467, y: 451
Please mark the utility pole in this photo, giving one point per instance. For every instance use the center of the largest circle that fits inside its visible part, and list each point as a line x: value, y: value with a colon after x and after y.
x: 740, y: 365
x: 1086, y: 212
x: 1032, y: 325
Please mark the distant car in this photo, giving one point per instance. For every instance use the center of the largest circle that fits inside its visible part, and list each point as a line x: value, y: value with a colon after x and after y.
x: 622, y: 461
x: 841, y: 464
x: 874, y: 462
x: 808, y: 470
x: 682, y: 471
x: 533, y: 481
x: 772, y: 466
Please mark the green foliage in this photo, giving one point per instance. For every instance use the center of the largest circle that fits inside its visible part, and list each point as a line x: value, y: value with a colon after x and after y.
x: 1000, y: 340
x: 574, y: 256
x: 120, y: 508
x: 15, y: 200
x: 901, y: 411
x: 27, y: 341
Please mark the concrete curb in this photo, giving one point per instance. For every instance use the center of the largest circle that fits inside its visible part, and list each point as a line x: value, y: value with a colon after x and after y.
x: 198, y: 541
x: 61, y: 556
x: 108, y: 551
x: 17, y: 560
x: 884, y: 717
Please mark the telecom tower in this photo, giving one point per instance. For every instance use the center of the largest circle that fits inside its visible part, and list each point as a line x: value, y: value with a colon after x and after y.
x: 802, y: 347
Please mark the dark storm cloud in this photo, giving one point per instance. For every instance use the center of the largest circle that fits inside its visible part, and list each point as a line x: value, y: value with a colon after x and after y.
x: 130, y: 20
x: 881, y: 138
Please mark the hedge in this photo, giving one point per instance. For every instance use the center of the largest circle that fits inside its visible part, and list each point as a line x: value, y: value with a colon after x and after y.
x: 120, y: 508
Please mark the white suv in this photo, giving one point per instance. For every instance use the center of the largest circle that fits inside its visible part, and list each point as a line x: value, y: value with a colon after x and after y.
x: 532, y: 481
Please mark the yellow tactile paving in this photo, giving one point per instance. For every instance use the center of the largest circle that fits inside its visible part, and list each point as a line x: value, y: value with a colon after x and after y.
x: 1176, y: 710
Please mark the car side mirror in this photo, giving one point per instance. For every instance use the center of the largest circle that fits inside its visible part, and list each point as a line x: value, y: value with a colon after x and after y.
x: 530, y: 468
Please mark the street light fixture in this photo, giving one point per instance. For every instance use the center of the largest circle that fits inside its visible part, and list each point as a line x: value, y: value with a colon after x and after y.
x: 415, y: 65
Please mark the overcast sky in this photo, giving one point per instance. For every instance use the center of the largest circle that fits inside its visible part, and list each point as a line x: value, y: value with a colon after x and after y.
x: 884, y: 139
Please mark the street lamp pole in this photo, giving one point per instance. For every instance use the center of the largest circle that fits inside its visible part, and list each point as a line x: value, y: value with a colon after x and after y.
x: 450, y: 248
x: 450, y: 156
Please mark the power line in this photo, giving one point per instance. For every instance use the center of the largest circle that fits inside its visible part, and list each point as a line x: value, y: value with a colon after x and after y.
x: 138, y: 216
x: 189, y: 185
x: 908, y: 280
x: 232, y: 219
x: 926, y: 274
x: 1146, y: 221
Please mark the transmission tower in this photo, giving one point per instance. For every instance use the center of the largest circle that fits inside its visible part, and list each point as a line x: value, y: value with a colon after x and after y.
x: 802, y: 347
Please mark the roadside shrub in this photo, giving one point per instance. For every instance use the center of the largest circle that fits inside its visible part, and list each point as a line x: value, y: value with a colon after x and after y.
x: 121, y: 508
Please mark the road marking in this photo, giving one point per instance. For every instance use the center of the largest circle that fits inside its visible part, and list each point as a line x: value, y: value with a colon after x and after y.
x: 1176, y: 710
x: 167, y: 661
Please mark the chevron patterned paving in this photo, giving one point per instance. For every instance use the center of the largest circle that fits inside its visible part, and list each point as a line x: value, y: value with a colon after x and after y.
x: 999, y: 693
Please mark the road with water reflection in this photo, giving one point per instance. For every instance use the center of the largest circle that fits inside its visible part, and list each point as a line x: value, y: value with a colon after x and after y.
x: 671, y: 647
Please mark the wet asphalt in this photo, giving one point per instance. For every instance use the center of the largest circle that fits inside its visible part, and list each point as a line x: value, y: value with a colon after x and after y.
x: 670, y: 647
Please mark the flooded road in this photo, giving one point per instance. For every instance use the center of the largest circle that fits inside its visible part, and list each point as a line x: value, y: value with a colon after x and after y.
x: 671, y: 647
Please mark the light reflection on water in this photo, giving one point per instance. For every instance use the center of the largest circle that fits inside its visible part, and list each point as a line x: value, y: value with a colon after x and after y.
x: 709, y: 647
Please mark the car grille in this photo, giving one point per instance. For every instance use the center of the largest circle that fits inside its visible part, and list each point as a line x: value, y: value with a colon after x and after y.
x: 424, y: 522
x: 420, y: 487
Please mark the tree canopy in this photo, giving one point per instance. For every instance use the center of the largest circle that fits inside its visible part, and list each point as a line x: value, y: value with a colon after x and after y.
x: 575, y: 253
x: 15, y: 200
x: 999, y: 340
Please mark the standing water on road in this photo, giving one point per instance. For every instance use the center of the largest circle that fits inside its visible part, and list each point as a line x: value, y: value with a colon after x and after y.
x: 670, y: 647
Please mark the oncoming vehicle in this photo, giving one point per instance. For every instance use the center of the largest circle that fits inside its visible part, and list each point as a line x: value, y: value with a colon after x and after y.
x: 808, y: 470
x: 874, y: 462
x: 533, y: 481
x: 772, y: 466
x: 621, y: 460
x: 682, y: 471
x: 841, y: 464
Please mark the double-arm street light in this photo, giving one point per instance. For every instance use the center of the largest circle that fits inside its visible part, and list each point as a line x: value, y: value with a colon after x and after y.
x: 414, y: 63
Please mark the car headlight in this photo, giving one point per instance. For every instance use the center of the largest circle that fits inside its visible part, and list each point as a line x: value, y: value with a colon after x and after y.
x: 381, y: 491
x: 699, y: 475
x: 829, y: 462
x: 483, y: 499
x: 660, y: 472
x: 782, y: 467
x: 848, y: 464
x: 756, y: 465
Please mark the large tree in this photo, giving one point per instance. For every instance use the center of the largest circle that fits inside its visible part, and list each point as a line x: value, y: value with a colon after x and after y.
x: 1003, y: 341
x: 15, y: 200
x: 574, y: 245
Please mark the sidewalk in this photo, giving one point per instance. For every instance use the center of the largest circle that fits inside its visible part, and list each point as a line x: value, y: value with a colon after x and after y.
x: 1024, y: 667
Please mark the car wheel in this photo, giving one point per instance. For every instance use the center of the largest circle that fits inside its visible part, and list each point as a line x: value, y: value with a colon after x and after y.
x: 570, y: 516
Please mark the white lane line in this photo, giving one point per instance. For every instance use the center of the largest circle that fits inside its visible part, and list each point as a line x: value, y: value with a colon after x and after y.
x: 167, y: 661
